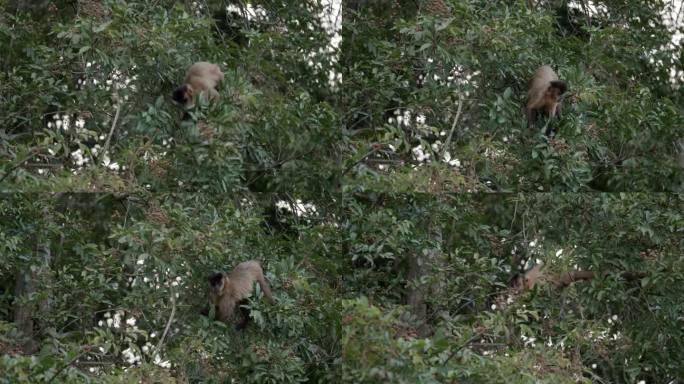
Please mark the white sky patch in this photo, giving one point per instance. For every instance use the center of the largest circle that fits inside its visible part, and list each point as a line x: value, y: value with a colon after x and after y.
x: 107, y: 162
x: 117, y: 319
x: 436, y: 146
x: 115, y: 80
x: 249, y: 11
x: 130, y: 356
x: 404, y: 118
x: 494, y: 153
x: 528, y: 341
x: 299, y: 208
x: 78, y: 158
x: 162, y: 363
x: 592, y: 7
x: 454, y: 162
x: 331, y: 21
x: 419, y: 154
x: 673, y: 17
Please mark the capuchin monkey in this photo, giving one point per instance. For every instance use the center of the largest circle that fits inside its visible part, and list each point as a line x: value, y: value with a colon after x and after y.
x: 530, y: 278
x: 201, y: 78
x: 228, y: 290
x: 544, y: 95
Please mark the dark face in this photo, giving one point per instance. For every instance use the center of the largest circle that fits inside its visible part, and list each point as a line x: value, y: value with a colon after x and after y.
x: 558, y: 89
x: 517, y: 281
x: 180, y: 94
x: 215, y: 280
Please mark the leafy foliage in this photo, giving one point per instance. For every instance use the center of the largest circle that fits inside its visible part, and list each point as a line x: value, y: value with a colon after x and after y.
x: 449, y: 80
x: 117, y: 204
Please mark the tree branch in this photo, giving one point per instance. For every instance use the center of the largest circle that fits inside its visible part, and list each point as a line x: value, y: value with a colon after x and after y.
x: 453, y: 126
x: 34, y: 152
x: 78, y: 356
x: 570, y: 277
x: 374, y: 149
x: 168, y: 323
x: 111, y: 130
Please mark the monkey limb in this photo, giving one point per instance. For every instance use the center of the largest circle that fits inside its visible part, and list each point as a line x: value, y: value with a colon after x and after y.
x: 570, y: 277
x: 202, y: 78
x: 534, y: 275
x: 544, y: 95
x: 228, y: 290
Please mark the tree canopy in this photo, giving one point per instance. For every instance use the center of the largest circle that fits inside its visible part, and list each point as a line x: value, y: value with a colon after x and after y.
x: 375, y: 159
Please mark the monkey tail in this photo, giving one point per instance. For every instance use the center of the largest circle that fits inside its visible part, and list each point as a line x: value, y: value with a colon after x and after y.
x: 570, y: 277
x: 265, y: 288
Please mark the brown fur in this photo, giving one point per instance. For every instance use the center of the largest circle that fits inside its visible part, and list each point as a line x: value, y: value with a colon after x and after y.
x: 531, y: 277
x: 544, y: 94
x: 201, y: 78
x: 535, y: 275
x: 229, y: 289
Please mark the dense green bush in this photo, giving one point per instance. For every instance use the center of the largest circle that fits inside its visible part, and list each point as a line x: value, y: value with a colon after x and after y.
x: 117, y: 205
x: 457, y: 72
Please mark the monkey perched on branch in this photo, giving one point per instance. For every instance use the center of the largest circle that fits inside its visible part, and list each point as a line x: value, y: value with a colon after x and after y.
x: 228, y: 290
x: 544, y: 95
x: 201, y: 79
x: 527, y: 280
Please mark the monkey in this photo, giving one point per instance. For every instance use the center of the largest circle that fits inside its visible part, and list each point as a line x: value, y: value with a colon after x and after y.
x: 227, y: 290
x: 527, y: 280
x: 531, y: 277
x: 544, y: 95
x: 201, y: 78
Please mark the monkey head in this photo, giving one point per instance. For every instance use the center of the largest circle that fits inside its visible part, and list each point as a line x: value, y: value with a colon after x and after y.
x: 216, y: 282
x: 183, y: 94
x: 516, y: 281
x: 556, y: 90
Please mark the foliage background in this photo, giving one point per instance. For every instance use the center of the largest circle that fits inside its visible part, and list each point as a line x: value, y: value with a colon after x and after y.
x: 115, y: 208
x: 456, y: 73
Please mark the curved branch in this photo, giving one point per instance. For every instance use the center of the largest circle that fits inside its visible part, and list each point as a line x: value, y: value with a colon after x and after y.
x: 72, y: 361
x: 111, y: 130
x: 570, y: 277
x: 168, y: 323
x: 453, y: 127
x: 34, y: 152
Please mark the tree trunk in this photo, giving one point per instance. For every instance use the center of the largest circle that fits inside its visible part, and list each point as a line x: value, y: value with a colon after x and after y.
x: 26, y: 284
x: 416, y: 293
x: 23, y: 288
x: 426, y: 263
x: 44, y: 274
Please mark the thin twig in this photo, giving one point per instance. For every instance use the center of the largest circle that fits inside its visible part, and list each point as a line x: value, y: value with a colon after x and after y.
x: 372, y: 151
x: 168, y: 323
x: 83, y: 352
x: 460, y: 347
x: 34, y: 152
x: 453, y: 126
x: 43, y: 165
x: 111, y: 131
x: 515, y: 211
x: 275, y: 165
